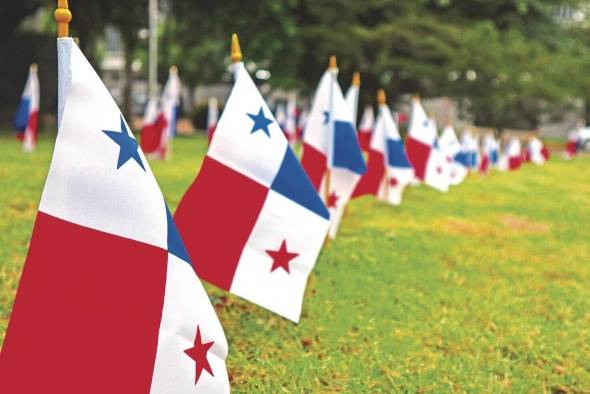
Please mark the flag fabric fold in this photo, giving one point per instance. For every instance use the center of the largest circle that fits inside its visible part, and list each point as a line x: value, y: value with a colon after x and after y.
x: 252, y: 221
x: 108, y: 298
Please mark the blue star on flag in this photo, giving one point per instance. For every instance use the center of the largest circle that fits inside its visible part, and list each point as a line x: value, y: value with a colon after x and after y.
x: 326, y: 117
x: 261, y: 122
x: 128, y: 148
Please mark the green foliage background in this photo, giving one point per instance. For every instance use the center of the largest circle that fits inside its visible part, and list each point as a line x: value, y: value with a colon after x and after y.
x: 527, y: 62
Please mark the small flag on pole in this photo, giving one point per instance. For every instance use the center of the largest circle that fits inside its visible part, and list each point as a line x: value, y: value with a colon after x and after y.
x: 352, y: 95
x: 156, y: 142
x: 451, y: 149
x: 489, y: 155
x: 252, y: 221
x: 430, y: 165
x: 108, y: 299
x: 512, y: 158
x: 153, y: 126
x: 537, y: 152
x: 366, y: 127
x: 389, y: 170
x: 25, y: 121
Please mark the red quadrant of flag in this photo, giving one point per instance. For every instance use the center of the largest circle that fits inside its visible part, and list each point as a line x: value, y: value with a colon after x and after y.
x: 216, y: 242
x: 75, y: 283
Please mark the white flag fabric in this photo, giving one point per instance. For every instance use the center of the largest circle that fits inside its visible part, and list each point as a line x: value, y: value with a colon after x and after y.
x: 352, y: 99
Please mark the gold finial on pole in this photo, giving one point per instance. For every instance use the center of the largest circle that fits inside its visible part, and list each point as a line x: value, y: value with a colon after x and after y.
x: 356, y: 79
x: 416, y: 97
x: 62, y: 16
x: 236, y: 51
x: 173, y: 70
x: 34, y: 67
x: 381, y: 98
x: 332, y: 64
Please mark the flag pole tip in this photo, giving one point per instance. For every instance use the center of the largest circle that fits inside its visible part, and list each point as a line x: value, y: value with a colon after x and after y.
x: 416, y: 97
x: 236, y: 51
x: 356, y: 79
x: 173, y: 70
x: 333, y: 64
x: 63, y: 17
x: 381, y: 97
x: 34, y: 67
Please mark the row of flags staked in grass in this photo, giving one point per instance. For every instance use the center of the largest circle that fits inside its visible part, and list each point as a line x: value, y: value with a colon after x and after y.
x: 107, y: 260
x: 25, y: 122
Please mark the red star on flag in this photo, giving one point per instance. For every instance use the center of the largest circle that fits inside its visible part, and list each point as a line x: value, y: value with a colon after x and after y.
x: 281, y: 257
x: 332, y: 200
x: 393, y: 182
x: 199, y: 354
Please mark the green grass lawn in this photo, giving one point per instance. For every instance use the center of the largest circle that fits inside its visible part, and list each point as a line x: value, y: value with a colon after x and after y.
x: 484, y: 289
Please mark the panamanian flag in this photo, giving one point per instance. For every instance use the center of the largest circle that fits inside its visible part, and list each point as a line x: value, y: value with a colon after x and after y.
x: 430, y: 165
x: 212, y: 117
x: 345, y: 159
x: 156, y: 141
x: 153, y: 125
x: 537, y: 152
x: 252, y: 221
x: 511, y: 160
x: 469, y: 154
x: 331, y: 153
x: 366, y: 127
x: 25, y: 121
x: 451, y: 147
x: 389, y: 170
x: 108, y: 299
x: 489, y: 154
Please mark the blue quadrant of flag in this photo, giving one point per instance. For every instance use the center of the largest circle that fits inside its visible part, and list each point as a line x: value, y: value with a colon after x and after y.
x: 396, y: 154
x: 292, y: 182
x: 347, y: 152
